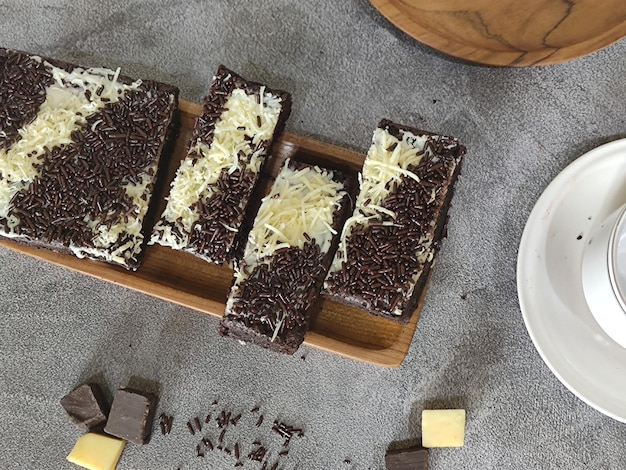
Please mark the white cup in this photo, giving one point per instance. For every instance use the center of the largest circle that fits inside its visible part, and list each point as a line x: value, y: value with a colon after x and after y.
x: 604, y: 275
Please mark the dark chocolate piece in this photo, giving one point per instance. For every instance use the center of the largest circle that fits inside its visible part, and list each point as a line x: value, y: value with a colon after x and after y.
x: 131, y: 416
x: 413, y: 458
x: 388, y: 245
x: 86, y: 406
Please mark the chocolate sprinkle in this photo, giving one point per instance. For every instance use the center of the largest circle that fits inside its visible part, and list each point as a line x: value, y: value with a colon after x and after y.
x: 207, y: 443
x: 190, y: 428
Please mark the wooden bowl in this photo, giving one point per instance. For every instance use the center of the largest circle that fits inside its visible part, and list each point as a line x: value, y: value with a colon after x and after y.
x: 510, y: 32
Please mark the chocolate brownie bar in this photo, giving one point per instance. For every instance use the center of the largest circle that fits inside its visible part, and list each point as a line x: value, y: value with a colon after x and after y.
x: 79, y: 150
x: 231, y: 141
x: 287, y: 255
x: 388, y: 245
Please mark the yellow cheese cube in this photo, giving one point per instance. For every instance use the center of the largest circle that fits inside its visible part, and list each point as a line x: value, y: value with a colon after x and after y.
x: 96, y: 452
x: 443, y: 428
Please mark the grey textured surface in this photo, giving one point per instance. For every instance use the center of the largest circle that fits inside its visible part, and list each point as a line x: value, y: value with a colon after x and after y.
x: 346, y: 67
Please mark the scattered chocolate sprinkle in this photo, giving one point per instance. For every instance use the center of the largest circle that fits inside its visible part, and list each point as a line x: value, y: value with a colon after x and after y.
x: 190, y: 427
x: 199, y: 452
x: 283, y: 453
x: 258, y: 454
x: 207, y: 443
x: 255, y: 409
x: 208, y: 418
x: 197, y: 423
x: 237, y: 451
x: 286, y: 431
x: 222, y: 434
x: 259, y: 421
x: 235, y: 420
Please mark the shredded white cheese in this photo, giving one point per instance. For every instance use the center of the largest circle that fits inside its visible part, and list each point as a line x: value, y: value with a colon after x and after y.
x: 230, y: 150
x: 300, y: 202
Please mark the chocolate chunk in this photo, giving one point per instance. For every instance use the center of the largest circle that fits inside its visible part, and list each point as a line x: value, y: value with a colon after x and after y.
x: 413, y: 458
x: 131, y: 416
x: 86, y: 406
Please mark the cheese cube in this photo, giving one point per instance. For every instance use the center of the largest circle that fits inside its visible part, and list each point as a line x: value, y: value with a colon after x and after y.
x: 96, y: 452
x: 443, y: 428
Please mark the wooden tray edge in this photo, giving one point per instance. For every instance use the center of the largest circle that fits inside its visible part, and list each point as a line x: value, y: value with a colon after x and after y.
x: 386, y: 357
x: 540, y: 57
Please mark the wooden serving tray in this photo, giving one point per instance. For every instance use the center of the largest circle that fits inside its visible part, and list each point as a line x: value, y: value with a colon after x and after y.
x: 510, y: 32
x: 189, y: 281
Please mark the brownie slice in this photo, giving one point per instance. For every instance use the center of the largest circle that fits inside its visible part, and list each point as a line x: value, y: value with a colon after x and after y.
x: 388, y: 245
x: 213, y: 184
x: 79, y: 151
x: 286, y: 258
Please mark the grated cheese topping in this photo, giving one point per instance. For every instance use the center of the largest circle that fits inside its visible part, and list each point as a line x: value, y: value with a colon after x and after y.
x: 301, y: 201
x: 236, y: 136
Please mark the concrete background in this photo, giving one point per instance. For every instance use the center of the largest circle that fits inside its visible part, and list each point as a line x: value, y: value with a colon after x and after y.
x: 347, y: 67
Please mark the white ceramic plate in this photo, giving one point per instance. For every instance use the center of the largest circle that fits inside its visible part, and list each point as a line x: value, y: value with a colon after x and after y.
x: 549, y: 280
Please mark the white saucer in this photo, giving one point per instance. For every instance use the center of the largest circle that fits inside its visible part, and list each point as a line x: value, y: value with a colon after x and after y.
x: 549, y: 282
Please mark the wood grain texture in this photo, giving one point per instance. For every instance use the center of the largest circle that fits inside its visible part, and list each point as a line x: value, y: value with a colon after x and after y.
x: 189, y: 281
x: 509, y: 32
